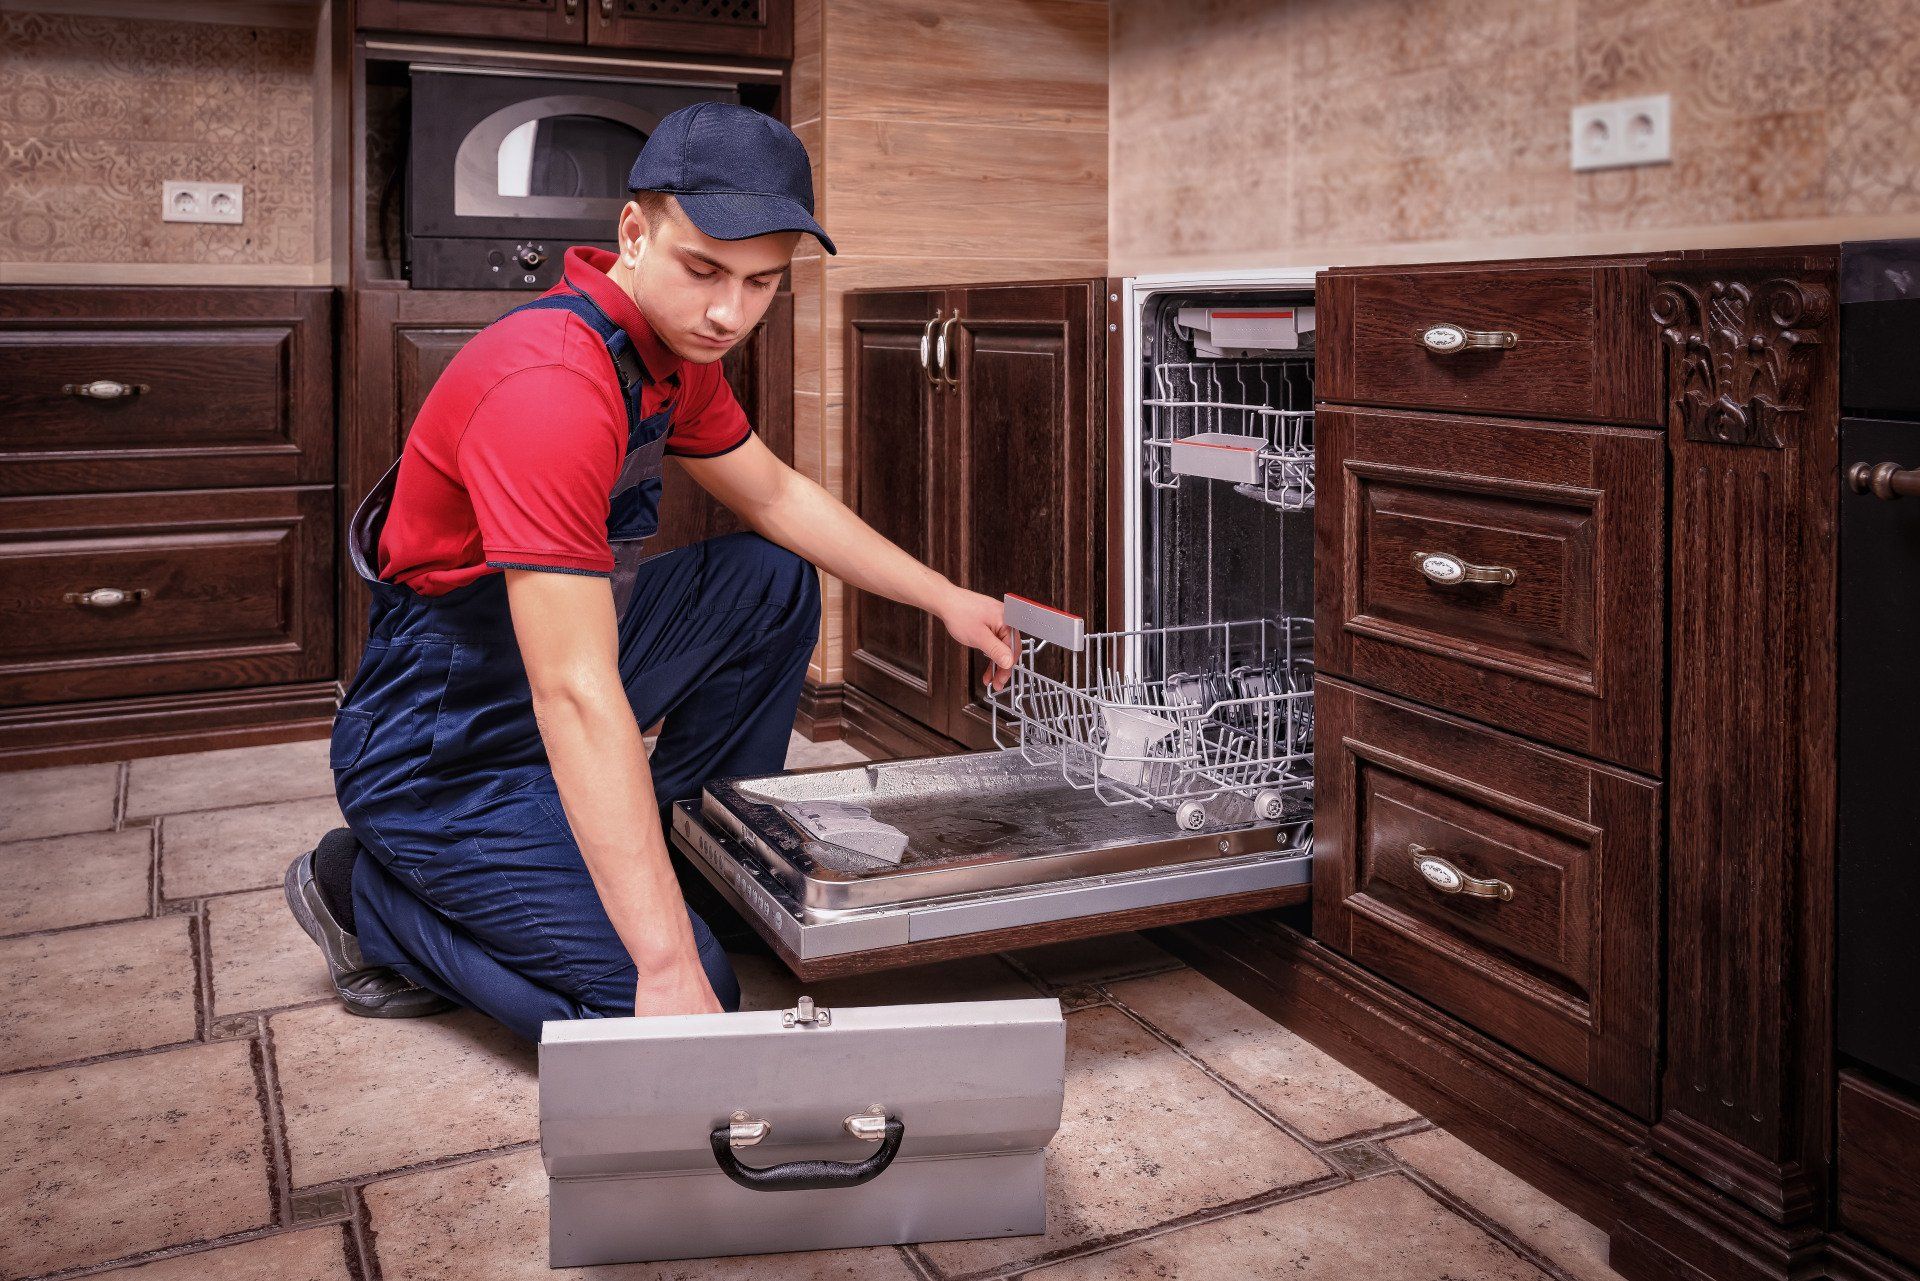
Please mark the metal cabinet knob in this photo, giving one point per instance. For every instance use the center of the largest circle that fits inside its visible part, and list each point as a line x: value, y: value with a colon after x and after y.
x: 106, y: 597
x: 1445, y: 339
x: 1448, y: 879
x: 1444, y: 569
x: 1884, y: 480
x: 606, y: 10
x: 105, y: 389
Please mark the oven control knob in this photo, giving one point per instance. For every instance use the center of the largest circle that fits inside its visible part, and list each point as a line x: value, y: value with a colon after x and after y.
x: 531, y: 258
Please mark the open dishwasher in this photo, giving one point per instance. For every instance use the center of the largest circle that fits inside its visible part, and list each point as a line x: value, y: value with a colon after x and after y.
x: 1156, y: 773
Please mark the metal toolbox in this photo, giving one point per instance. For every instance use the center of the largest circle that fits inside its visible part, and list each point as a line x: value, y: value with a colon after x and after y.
x: 699, y: 1136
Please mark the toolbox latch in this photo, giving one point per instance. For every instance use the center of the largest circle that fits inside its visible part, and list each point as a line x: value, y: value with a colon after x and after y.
x: 805, y: 1014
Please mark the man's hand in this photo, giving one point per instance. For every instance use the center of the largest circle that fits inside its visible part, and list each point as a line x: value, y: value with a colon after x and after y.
x: 680, y: 989
x: 979, y: 622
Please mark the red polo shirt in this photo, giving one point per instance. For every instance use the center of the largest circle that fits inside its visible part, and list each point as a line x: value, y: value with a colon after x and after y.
x: 513, y: 456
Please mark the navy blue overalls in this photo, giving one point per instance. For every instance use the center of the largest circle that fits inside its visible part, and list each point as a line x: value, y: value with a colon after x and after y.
x: 475, y: 888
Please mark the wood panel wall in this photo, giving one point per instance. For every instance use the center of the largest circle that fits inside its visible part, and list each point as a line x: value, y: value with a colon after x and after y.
x: 951, y: 143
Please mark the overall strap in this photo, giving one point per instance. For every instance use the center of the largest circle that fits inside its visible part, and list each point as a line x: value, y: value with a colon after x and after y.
x: 626, y: 361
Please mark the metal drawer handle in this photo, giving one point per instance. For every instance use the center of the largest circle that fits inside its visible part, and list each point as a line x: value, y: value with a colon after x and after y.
x: 1884, y: 480
x: 926, y: 350
x: 1444, y: 340
x: 1448, y: 879
x: 105, y: 389
x: 947, y: 348
x: 1444, y: 569
x: 572, y: 7
x: 797, y: 1176
x: 106, y: 597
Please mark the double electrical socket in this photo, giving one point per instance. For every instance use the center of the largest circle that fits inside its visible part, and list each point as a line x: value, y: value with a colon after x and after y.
x: 200, y: 202
x: 1627, y: 131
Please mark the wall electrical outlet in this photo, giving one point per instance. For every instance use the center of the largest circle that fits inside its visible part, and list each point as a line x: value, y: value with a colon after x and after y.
x: 200, y: 202
x: 1627, y: 131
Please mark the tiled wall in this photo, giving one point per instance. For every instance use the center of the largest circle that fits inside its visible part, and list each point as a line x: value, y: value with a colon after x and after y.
x: 96, y: 112
x: 952, y: 142
x: 1311, y: 131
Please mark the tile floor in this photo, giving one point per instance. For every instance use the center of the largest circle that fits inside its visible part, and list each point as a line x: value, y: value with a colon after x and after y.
x: 188, y: 1104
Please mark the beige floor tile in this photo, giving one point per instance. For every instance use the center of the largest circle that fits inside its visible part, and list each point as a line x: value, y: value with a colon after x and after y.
x: 1384, y: 1229
x: 803, y: 753
x: 57, y: 801
x: 261, y: 957
x: 245, y: 848
x: 59, y: 881
x: 210, y: 780
x: 367, y: 1095
x: 317, y: 1254
x: 1310, y: 1090
x: 1096, y: 960
x: 1507, y: 1199
x: 98, y: 990
x: 1145, y: 1137
x: 135, y: 1154
x: 487, y: 1221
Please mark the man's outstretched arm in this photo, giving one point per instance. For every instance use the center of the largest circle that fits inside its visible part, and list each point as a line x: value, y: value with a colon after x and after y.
x: 566, y: 629
x: 789, y: 509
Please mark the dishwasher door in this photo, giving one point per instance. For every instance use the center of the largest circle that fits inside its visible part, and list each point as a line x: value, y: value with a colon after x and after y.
x: 999, y: 854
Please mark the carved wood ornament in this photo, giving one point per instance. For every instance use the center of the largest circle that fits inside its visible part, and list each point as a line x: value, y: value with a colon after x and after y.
x: 1738, y: 355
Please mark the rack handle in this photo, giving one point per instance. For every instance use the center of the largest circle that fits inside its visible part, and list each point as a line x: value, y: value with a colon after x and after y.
x: 1044, y: 622
x: 1444, y: 569
x: 1446, y: 339
x: 1448, y: 879
x: 107, y: 597
x: 1884, y: 480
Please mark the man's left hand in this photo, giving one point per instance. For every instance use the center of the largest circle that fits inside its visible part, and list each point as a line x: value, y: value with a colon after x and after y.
x: 979, y: 622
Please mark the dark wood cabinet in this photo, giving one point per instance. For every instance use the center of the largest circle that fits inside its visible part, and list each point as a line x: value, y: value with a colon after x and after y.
x: 976, y: 441
x: 402, y: 341
x: 166, y: 519
x: 747, y: 28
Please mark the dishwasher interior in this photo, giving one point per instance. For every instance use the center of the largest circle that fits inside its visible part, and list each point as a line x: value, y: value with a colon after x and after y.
x: 1166, y: 762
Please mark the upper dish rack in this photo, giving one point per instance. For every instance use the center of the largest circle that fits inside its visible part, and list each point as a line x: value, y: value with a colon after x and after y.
x: 1212, y: 720
x: 1248, y: 422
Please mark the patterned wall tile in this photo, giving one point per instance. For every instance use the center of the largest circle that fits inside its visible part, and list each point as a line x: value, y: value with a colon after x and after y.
x: 96, y: 113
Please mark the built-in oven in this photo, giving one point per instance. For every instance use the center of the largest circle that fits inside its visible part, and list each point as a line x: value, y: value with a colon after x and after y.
x: 506, y: 168
x: 1157, y: 772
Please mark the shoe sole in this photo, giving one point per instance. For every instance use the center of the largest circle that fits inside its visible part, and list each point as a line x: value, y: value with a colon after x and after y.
x: 294, y: 888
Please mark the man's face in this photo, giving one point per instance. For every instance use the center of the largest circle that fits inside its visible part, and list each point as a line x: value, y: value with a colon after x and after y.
x: 701, y: 295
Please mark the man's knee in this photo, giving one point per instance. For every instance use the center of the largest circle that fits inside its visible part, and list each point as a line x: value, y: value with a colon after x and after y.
x: 788, y: 579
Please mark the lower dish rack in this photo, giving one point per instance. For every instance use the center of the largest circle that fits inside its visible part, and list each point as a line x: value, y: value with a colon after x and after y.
x: 1213, y: 721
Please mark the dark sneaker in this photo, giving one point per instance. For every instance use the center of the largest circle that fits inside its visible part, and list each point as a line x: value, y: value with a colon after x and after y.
x: 373, y: 991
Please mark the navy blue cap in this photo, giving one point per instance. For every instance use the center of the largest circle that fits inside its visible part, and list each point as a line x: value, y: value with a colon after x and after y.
x: 736, y: 173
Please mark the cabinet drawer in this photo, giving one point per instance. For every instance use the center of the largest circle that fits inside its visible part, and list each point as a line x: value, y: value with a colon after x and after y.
x: 1583, y: 345
x: 1514, y: 886
x: 1564, y: 644
x: 222, y: 589
x: 192, y: 388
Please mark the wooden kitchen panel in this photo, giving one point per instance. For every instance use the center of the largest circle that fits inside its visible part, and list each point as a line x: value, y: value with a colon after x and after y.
x: 1579, y: 340
x: 1565, y: 525
x: 138, y: 594
x: 547, y: 20
x: 1513, y: 886
x: 1879, y: 1144
x: 161, y: 389
x: 751, y: 28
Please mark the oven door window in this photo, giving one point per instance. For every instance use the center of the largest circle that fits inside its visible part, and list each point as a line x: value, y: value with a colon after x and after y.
x: 558, y: 156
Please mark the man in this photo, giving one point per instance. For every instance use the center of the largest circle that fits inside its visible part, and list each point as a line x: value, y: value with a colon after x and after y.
x: 507, y: 849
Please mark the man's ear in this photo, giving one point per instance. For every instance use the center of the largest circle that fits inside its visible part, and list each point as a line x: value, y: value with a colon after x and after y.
x: 634, y: 232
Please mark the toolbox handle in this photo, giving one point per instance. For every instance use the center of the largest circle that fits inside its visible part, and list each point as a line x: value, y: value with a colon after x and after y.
x: 798, y: 1176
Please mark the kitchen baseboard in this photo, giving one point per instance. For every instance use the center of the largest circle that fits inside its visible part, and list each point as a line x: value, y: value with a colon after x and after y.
x: 822, y: 717
x: 117, y: 729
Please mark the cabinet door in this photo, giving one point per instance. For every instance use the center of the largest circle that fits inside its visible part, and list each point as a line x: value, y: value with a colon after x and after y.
x: 1024, y: 459
x: 896, y: 457
x: 760, y: 372
x: 401, y: 341
x: 753, y: 28
x: 548, y: 20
